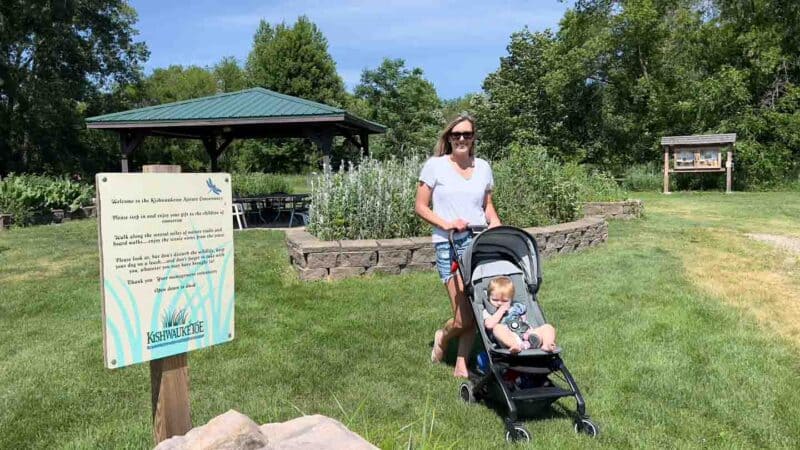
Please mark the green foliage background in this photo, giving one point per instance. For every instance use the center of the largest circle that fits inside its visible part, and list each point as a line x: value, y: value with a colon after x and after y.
x: 601, y: 90
x: 619, y: 75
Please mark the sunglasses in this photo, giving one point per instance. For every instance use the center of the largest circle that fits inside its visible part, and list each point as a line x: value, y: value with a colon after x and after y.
x: 456, y: 136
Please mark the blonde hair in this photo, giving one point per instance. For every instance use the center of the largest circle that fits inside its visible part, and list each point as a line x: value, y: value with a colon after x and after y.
x: 443, y: 146
x: 502, y: 285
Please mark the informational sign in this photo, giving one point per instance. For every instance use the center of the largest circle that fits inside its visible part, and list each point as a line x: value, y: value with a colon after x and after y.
x: 166, y: 255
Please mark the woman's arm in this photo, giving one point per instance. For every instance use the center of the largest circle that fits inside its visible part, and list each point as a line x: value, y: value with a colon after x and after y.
x: 491, y: 214
x: 422, y: 206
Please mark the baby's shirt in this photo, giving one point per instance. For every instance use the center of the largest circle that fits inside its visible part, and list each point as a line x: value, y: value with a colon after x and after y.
x: 515, y: 318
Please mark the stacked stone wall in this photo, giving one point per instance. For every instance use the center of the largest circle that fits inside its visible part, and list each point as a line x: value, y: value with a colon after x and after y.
x: 629, y: 209
x: 315, y: 259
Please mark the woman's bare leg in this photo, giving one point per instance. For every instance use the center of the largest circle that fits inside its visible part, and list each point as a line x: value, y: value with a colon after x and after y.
x: 461, y: 325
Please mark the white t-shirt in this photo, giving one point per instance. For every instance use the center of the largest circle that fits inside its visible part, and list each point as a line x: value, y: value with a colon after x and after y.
x: 454, y: 196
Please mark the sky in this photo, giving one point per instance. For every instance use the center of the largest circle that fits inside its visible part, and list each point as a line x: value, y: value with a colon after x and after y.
x: 455, y: 43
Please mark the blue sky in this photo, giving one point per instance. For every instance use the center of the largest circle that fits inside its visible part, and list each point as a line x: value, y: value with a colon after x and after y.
x: 456, y: 43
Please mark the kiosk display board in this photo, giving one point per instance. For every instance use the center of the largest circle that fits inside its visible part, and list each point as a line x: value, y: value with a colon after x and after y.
x: 166, y: 256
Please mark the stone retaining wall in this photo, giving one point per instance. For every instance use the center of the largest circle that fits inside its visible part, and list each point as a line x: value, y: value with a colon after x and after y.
x: 316, y: 260
x: 629, y: 209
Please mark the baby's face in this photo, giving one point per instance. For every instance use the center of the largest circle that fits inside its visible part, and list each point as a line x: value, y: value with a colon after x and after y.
x: 498, y: 299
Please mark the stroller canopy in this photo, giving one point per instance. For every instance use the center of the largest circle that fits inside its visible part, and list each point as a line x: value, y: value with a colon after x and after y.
x: 503, y: 244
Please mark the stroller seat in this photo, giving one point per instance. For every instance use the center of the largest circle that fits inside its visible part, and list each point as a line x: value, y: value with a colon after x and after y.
x: 485, y: 273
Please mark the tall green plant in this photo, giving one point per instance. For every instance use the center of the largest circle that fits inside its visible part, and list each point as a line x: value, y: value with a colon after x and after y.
x: 532, y: 188
x: 373, y: 200
x: 255, y: 184
x: 595, y: 185
x: 644, y: 177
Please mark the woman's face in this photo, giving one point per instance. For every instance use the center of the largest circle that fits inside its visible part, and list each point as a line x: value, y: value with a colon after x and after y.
x: 461, y: 137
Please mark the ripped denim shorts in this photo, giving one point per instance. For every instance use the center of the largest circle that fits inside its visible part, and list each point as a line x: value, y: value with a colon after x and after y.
x: 443, y: 262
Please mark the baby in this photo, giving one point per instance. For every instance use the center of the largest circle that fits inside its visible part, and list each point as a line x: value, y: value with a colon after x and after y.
x: 509, y: 323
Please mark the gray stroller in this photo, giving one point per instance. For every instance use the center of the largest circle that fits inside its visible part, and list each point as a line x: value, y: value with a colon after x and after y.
x: 533, y: 375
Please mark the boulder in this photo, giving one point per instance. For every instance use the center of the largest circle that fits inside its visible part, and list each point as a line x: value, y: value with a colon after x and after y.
x: 235, y: 431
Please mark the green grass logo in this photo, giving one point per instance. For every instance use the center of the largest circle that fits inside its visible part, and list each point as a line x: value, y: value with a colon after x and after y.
x: 174, y: 317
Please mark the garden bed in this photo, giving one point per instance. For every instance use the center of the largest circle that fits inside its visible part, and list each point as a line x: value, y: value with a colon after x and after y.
x: 55, y: 216
x: 315, y: 259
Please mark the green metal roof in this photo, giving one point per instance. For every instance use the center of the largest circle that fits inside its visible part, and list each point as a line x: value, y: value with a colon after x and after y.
x: 248, y: 105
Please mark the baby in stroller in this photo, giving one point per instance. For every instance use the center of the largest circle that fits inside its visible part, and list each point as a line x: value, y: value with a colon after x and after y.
x: 509, y: 323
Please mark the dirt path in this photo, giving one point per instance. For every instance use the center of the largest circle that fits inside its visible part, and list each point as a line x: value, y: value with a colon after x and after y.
x: 776, y: 240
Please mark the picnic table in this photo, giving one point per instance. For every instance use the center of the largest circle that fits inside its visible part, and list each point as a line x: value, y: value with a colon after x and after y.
x: 276, y: 204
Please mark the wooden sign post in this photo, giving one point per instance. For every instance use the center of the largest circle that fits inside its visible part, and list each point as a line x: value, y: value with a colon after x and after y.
x: 169, y: 384
x: 166, y: 255
x: 169, y: 377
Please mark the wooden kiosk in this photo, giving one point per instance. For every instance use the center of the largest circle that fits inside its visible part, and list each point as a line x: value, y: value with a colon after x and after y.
x: 698, y: 154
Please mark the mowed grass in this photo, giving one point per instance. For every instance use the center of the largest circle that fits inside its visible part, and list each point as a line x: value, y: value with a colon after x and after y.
x: 664, y: 359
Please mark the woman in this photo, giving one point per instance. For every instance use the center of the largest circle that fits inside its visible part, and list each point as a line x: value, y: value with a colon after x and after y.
x: 460, y: 186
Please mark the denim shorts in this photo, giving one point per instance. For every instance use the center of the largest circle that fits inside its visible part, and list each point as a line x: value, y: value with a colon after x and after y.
x: 443, y: 262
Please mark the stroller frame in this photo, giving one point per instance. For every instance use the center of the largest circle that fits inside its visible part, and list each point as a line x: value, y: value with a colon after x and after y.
x: 533, y: 363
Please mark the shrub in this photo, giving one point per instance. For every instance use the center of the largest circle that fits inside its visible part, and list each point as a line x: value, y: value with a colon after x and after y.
x: 29, y: 198
x: 762, y: 167
x: 595, y: 185
x: 256, y: 184
x: 533, y: 189
x: 372, y: 201
x: 644, y: 178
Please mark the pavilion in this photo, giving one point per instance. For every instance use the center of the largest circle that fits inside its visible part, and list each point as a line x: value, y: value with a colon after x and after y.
x: 248, y: 114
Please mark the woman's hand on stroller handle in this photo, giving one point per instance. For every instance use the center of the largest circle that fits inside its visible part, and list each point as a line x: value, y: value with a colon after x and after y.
x: 475, y: 229
x: 457, y: 225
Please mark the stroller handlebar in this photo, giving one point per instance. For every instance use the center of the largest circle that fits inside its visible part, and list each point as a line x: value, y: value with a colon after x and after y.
x: 475, y: 229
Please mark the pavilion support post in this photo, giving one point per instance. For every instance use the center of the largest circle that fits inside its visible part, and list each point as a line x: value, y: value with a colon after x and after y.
x: 323, y: 139
x: 666, y: 169
x: 128, y: 141
x: 214, y: 148
x: 728, y: 172
x: 364, y: 138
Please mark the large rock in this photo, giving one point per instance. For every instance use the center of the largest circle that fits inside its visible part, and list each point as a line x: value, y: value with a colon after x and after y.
x: 235, y: 431
x: 230, y: 431
x: 313, y: 432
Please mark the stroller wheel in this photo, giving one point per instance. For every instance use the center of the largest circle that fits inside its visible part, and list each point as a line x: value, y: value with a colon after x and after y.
x: 518, y: 433
x: 586, y: 426
x: 467, y: 392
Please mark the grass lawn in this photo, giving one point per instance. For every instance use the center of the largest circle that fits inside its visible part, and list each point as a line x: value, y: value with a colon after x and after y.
x: 680, y: 332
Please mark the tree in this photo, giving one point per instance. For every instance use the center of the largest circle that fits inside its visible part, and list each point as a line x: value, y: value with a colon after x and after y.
x: 55, y: 57
x: 291, y: 60
x: 230, y: 77
x: 294, y: 60
x: 406, y: 103
x: 176, y: 83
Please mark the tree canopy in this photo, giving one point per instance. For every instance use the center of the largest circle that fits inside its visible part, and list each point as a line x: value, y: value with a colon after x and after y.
x: 56, y: 59
x: 618, y: 75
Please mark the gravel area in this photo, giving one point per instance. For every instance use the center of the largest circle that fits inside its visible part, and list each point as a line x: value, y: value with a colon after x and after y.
x: 776, y: 240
